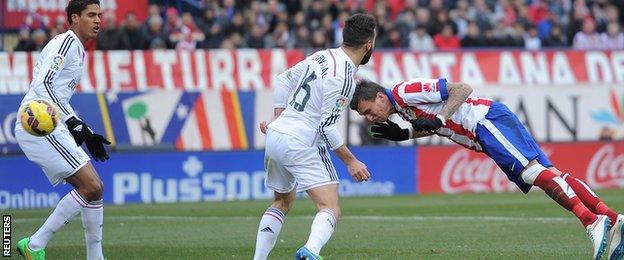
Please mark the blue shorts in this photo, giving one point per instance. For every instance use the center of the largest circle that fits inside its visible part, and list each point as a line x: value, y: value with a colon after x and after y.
x: 504, y: 139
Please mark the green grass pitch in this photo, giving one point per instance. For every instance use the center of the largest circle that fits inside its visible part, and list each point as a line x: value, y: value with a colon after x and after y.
x: 466, y: 226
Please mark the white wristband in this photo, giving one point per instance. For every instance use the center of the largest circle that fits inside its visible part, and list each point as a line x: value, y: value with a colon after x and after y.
x: 441, y: 119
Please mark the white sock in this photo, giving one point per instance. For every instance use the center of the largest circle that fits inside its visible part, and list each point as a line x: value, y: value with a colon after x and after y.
x: 92, y: 221
x: 65, y: 210
x: 270, y: 227
x: 322, y: 228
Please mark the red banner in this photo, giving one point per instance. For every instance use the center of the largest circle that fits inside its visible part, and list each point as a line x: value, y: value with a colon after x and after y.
x: 454, y: 169
x: 16, y: 11
x: 253, y: 69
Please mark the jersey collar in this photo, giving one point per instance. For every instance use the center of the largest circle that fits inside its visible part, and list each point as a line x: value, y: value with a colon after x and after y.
x: 346, y: 57
x: 73, y: 34
x: 390, y: 97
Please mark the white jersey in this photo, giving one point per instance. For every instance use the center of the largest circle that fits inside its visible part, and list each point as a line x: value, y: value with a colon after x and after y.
x: 424, y: 98
x: 315, y: 93
x: 57, y: 73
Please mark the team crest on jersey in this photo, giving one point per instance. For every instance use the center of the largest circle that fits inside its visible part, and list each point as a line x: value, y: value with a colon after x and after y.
x: 57, y: 62
x: 341, y: 104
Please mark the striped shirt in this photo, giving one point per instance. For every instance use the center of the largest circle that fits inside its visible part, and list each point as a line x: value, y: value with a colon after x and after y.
x: 424, y: 98
x: 315, y: 93
x: 57, y: 72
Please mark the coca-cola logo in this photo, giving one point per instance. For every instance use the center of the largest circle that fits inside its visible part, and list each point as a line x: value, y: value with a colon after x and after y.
x: 606, y: 168
x: 461, y: 173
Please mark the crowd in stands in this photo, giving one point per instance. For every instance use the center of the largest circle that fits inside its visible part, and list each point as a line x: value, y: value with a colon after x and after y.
x: 418, y: 25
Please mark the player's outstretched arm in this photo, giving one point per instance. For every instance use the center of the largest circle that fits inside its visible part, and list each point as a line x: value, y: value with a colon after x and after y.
x: 458, y: 93
x: 357, y: 169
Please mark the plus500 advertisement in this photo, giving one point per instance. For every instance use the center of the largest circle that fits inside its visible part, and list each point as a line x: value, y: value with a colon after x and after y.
x: 194, y: 177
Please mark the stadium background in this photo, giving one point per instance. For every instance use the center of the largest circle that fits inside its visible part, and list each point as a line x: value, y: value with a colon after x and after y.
x: 180, y: 87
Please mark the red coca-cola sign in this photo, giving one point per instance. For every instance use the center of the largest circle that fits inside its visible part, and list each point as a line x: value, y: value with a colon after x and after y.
x: 454, y: 169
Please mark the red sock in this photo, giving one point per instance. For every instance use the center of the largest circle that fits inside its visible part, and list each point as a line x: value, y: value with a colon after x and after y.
x: 562, y: 193
x: 589, y: 198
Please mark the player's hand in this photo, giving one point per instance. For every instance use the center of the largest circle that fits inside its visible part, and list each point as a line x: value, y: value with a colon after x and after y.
x: 358, y: 171
x: 264, y: 126
x: 78, y: 129
x: 426, y: 125
x: 390, y: 131
x: 95, y: 145
x: 83, y: 134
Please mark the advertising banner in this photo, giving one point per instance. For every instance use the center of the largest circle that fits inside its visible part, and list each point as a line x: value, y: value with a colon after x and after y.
x: 21, y: 12
x: 195, y: 177
x: 251, y: 69
x: 599, y: 164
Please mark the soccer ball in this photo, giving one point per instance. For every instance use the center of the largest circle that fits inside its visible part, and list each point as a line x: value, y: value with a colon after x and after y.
x: 39, y: 117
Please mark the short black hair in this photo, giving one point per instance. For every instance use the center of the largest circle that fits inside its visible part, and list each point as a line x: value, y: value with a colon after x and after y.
x: 77, y: 6
x: 365, y: 90
x: 359, y: 28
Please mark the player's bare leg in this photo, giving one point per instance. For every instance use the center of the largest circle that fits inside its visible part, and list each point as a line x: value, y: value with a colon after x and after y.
x: 562, y: 193
x: 90, y: 188
x: 326, y: 200
x: 271, y: 223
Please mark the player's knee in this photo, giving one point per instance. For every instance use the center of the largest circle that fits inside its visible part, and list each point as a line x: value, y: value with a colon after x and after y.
x: 283, y: 204
x: 93, y: 191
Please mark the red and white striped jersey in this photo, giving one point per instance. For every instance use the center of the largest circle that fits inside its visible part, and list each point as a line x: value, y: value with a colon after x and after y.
x: 421, y: 97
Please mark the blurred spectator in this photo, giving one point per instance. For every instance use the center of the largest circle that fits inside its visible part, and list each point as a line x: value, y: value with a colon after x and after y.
x: 319, y: 40
x: 588, y: 38
x: 319, y: 23
x: 236, y: 25
x: 473, y: 38
x: 462, y: 17
x: 532, y: 41
x: 442, y: 19
x: 25, y: 43
x: 213, y: 29
x: 556, y: 38
x: 394, y: 39
x: 613, y: 39
x: 153, y: 36
x: 187, y: 43
x: 419, y: 40
x: 280, y: 36
x: 130, y: 28
x: 301, y: 39
x: 446, y: 39
x: 255, y: 39
x: 110, y: 37
x: 39, y: 39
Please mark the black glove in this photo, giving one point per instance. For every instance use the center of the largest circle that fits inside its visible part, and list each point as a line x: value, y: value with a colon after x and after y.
x: 390, y: 131
x: 82, y: 133
x: 423, y: 124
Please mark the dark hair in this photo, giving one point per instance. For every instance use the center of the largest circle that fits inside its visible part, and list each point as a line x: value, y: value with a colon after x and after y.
x: 358, y: 29
x: 365, y: 90
x: 77, y: 6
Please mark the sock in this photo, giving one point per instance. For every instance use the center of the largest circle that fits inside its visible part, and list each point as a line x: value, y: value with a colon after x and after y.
x: 270, y: 227
x: 92, y: 221
x: 556, y: 188
x: 322, y: 228
x: 65, y: 210
x: 589, y: 198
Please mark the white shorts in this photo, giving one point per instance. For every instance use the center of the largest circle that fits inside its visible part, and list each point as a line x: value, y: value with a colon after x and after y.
x: 56, y: 153
x: 289, y: 163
